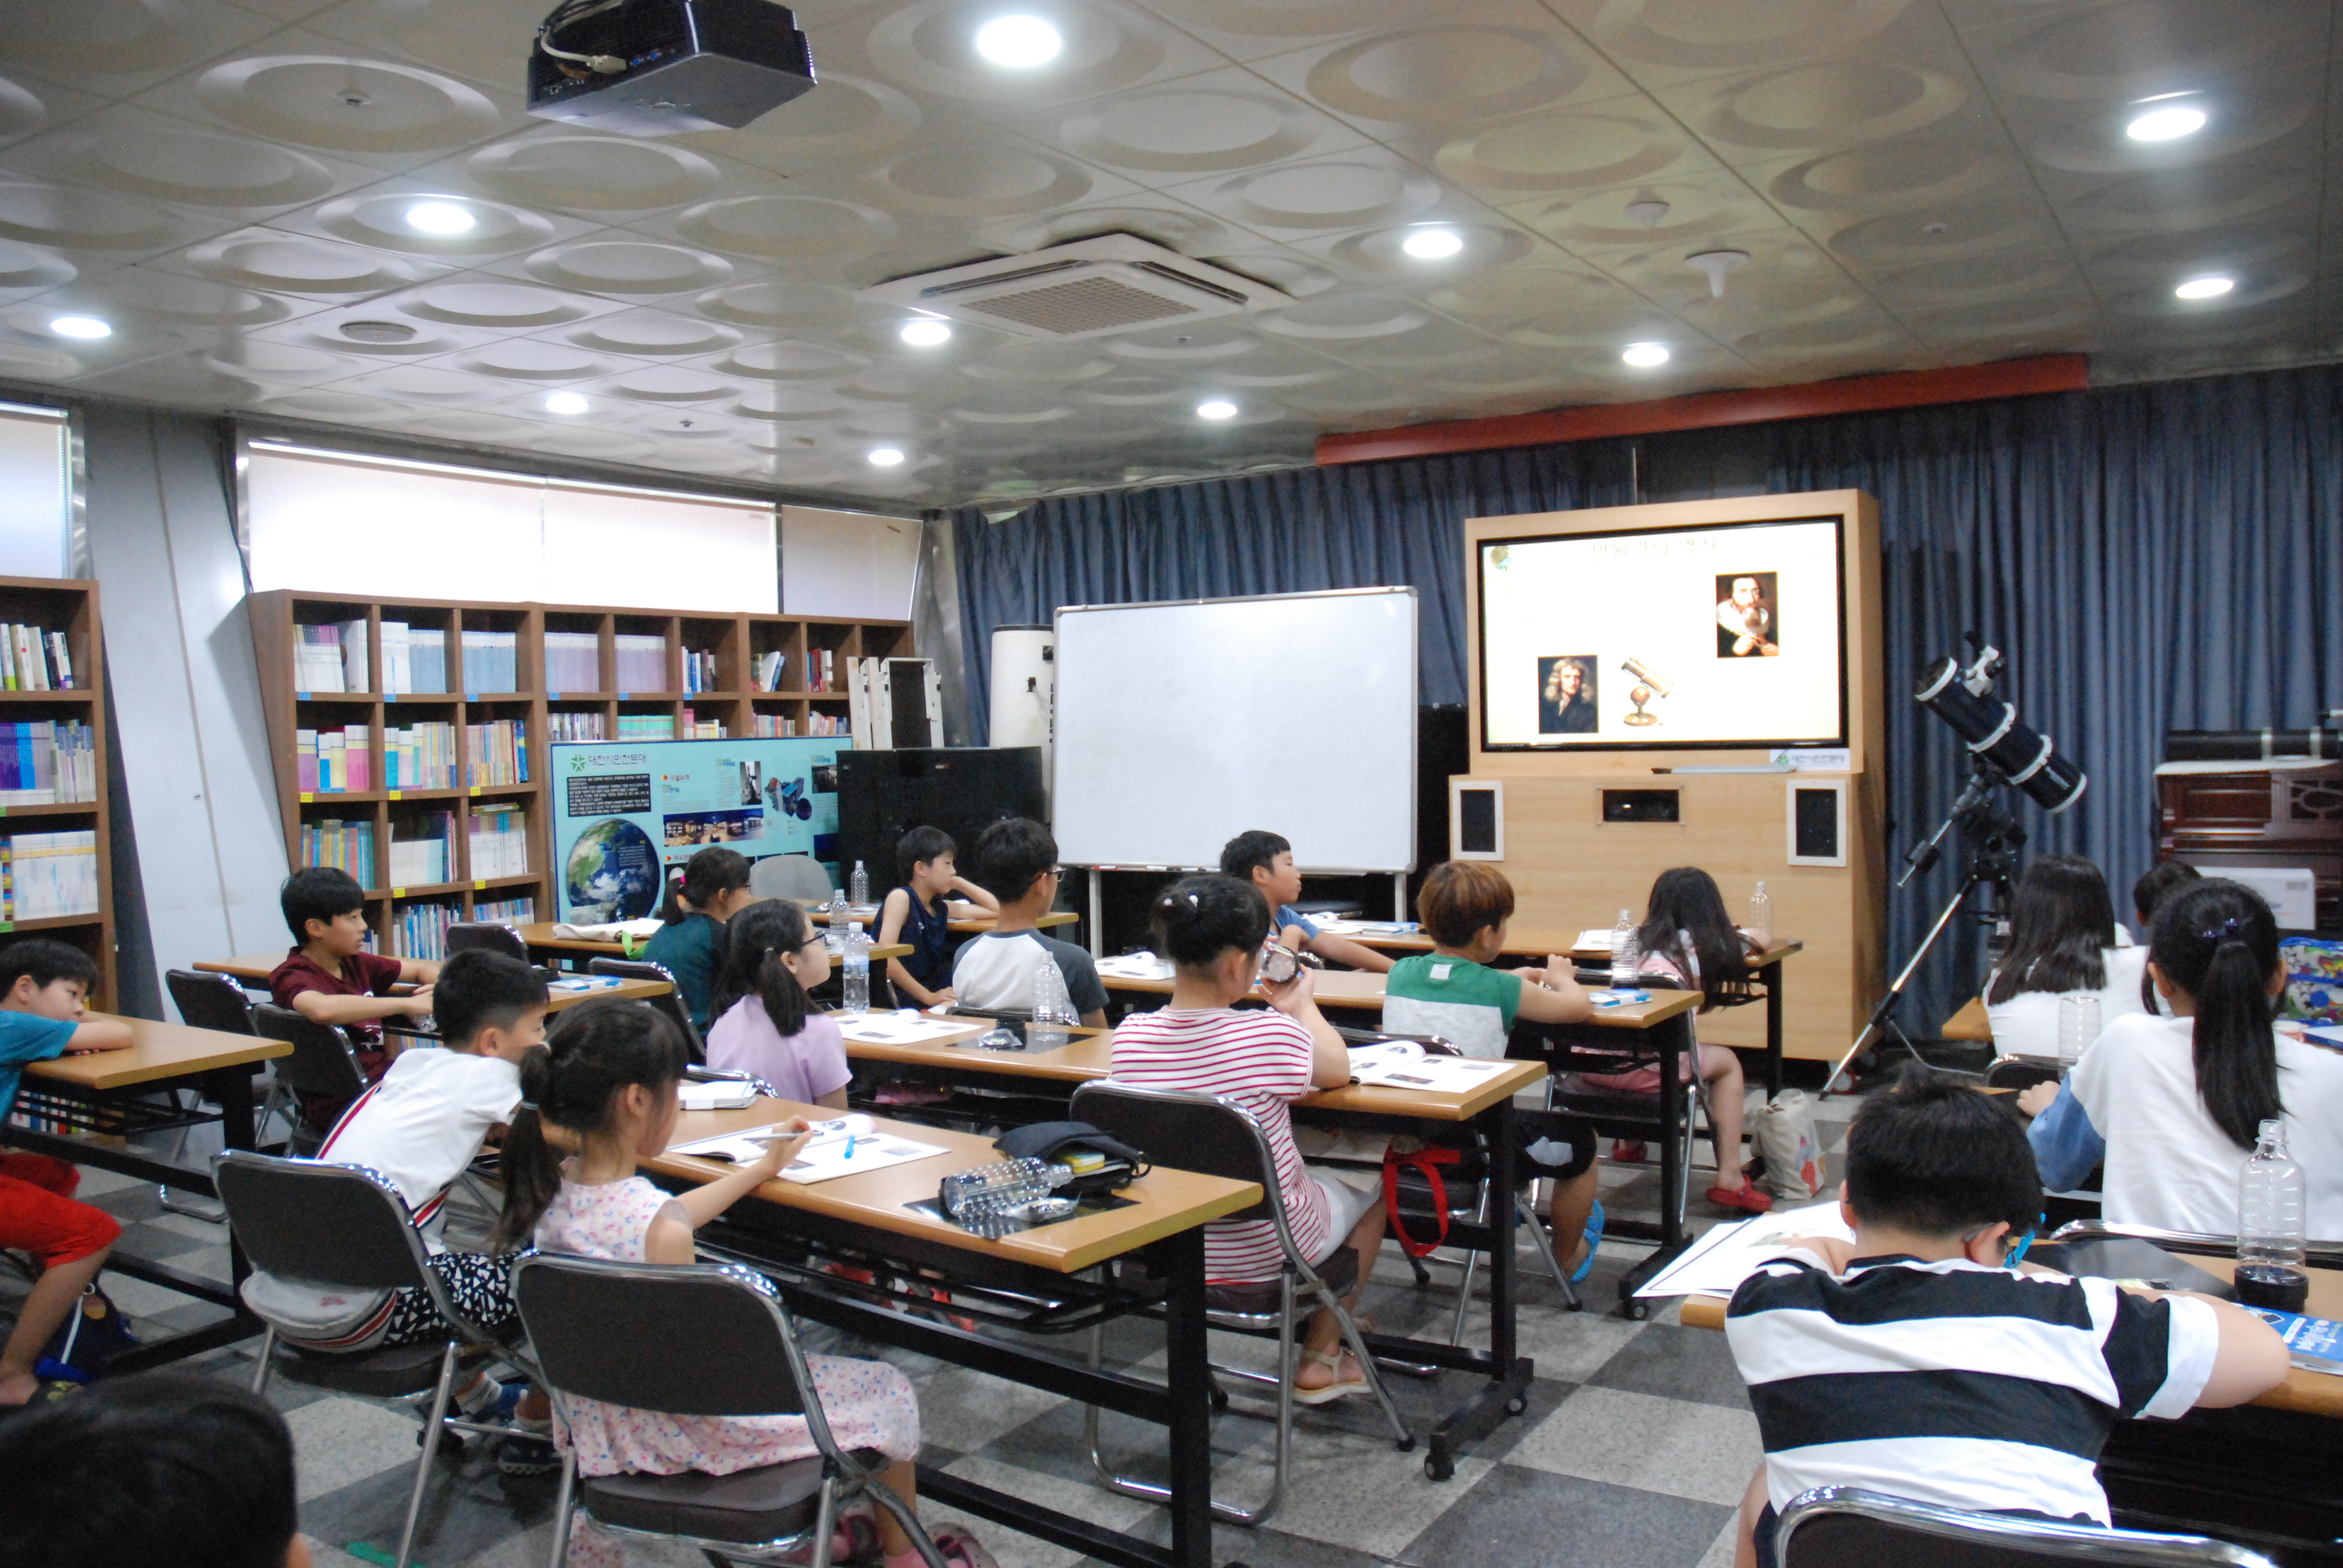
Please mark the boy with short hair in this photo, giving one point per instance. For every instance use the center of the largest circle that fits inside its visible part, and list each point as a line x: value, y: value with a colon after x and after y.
x: 44, y: 986
x: 421, y: 1127
x: 1266, y: 860
x: 918, y: 913
x: 329, y: 977
x: 1917, y: 1360
x: 162, y: 1468
x: 1017, y: 863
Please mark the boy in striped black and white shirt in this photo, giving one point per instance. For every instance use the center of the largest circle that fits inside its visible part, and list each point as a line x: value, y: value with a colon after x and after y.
x: 1915, y: 1361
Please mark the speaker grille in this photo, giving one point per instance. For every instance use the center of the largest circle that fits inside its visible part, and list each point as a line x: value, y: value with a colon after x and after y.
x: 1085, y: 305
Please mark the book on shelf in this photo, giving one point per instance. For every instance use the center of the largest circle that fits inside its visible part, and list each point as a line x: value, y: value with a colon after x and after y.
x: 576, y: 726
x: 420, y: 930
x: 699, y: 671
x: 500, y: 840
x: 827, y: 724
x: 698, y: 729
x: 646, y: 727
x: 47, y: 762
x: 317, y: 661
x: 48, y: 876
x: 421, y: 756
x: 641, y: 661
x: 573, y: 661
x: 333, y: 761
x: 509, y: 911
x: 492, y: 660
x: 426, y: 659
x: 495, y: 752
x: 821, y: 670
x: 345, y: 846
x: 766, y: 676
x: 424, y: 858
x: 772, y: 726
x: 35, y: 659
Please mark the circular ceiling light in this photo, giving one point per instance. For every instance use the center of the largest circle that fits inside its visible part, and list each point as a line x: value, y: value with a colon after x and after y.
x: 377, y: 332
x: 2167, y: 124
x: 441, y: 217
x: 885, y: 457
x: 1216, y: 409
x: 2206, y: 287
x: 567, y: 403
x: 80, y: 327
x: 1643, y: 355
x: 925, y: 333
x: 1019, y: 43
x: 1432, y: 244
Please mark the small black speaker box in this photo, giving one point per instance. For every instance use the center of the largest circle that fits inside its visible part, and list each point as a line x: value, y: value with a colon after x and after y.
x: 1640, y: 806
x: 1814, y: 826
x: 1477, y: 820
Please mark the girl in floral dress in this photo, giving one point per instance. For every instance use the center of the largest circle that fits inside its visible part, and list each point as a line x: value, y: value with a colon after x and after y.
x: 606, y: 1084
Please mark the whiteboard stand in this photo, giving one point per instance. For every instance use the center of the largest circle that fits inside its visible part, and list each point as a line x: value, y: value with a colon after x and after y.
x: 1098, y: 914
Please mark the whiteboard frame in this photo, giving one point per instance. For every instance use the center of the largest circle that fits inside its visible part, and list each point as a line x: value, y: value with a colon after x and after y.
x: 1415, y: 705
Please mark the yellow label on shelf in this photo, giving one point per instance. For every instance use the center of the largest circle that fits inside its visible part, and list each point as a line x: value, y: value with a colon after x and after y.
x: 399, y: 892
x: 307, y: 799
x: 397, y: 794
x: 479, y: 886
x: 476, y: 789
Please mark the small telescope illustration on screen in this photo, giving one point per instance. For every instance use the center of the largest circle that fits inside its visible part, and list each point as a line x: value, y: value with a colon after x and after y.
x: 1647, y: 684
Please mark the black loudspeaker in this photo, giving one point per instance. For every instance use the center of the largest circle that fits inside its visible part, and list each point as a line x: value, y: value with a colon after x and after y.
x: 883, y: 795
x: 1642, y: 806
x: 1477, y: 820
x: 1814, y: 825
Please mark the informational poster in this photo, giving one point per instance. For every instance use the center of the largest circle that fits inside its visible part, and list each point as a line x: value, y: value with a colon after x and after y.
x: 625, y: 811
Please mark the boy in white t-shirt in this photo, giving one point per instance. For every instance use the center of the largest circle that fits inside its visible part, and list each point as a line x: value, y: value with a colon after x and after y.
x: 421, y: 1128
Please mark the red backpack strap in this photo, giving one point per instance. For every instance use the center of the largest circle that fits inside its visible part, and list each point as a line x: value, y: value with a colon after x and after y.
x: 1427, y: 1161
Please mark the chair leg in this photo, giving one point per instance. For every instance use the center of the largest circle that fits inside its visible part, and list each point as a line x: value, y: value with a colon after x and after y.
x: 1145, y: 1491
x: 431, y: 1431
x: 825, y: 1520
x: 1526, y: 1207
x: 564, y: 1507
x: 267, y: 1356
x: 1350, y: 1336
x: 922, y: 1542
x: 1471, y: 1263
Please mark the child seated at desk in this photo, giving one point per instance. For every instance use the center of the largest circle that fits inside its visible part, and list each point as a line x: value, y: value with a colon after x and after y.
x: 1212, y: 930
x: 606, y: 1087
x: 1266, y: 861
x: 764, y: 1023
x: 1017, y: 862
x: 1451, y: 992
x: 712, y: 887
x: 919, y: 914
x: 1689, y: 942
x: 330, y: 978
x: 422, y: 1126
x: 43, y: 986
x: 2062, y: 937
x: 1914, y: 1361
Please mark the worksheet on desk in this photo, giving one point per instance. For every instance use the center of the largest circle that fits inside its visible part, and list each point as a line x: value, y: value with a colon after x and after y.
x: 1135, y: 966
x: 901, y: 1028
x: 1717, y: 1264
x: 844, y: 1146
x: 1402, y: 1064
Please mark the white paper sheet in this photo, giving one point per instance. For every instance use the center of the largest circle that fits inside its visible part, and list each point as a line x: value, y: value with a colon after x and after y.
x: 641, y: 931
x: 905, y: 1028
x: 1402, y: 1064
x: 1136, y: 966
x: 841, y: 1146
x: 1717, y: 1264
x: 717, y: 1096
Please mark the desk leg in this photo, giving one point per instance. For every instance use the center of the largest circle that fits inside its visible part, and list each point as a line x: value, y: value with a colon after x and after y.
x: 1675, y: 1165
x: 1189, y: 1377
x: 230, y: 1089
x: 1507, y: 1391
x: 1771, y: 978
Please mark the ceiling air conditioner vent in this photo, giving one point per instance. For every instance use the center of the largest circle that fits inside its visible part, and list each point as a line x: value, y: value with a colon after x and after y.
x: 1093, y: 286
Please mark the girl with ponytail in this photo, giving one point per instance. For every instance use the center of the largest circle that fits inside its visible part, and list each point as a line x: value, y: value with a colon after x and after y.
x: 764, y: 1023
x: 2174, y: 1105
x: 605, y: 1088
x: 712, y: 887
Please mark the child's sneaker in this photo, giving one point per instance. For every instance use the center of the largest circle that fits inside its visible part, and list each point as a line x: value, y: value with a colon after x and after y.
x: 528, y: 1449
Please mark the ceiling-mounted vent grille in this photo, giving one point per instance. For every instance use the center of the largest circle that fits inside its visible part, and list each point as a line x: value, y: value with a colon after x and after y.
x: 1093, y: 286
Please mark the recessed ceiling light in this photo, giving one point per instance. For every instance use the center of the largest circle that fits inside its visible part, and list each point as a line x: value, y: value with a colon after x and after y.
x: 80, y: 327
x: 440, y: 217
x: 925, y: 333
x: 377, y: 332
x: 2167, y: 124
x: 567, y: 403
x: 885, y: 457
x: 1216, y: 409
x: 1643, y: 355
x: 1432, y: 244
x: 1020, y: 43
x: 2206, y: 287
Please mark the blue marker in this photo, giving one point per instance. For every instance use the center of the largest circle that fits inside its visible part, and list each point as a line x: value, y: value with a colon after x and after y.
x: 849, y: 1146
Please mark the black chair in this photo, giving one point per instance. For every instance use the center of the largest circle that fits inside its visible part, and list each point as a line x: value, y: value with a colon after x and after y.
x: 672, y: 1003
x: 1470, y: 1198
x: 486, y: 936
x: 607, y: 1332
x: 343, y: 1227
x: 1217, y: 1137
x: 1848, y: 1527
x: 324, y: 1064
x: 213, y: 1001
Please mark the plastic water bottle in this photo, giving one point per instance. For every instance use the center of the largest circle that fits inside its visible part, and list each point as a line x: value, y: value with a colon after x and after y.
x: 1761, y: 911
x: 1053, y: 1011
x: 835, y: 937
x: 858, y: 885
x: 2270, y: 1227
x: 2078, y: 1024
x: 856, y: 984
x: 1622, y: 952
x: 990, y: 1189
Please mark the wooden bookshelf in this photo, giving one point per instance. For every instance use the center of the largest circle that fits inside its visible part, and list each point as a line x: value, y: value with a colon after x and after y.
x: 69, y: 605
x: 737, y: 642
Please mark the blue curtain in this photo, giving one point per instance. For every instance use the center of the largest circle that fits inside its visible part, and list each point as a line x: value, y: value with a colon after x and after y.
x: 2149, y: 558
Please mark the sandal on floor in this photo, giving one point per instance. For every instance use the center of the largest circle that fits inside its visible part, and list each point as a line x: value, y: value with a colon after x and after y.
x: 1594, y: 1233
x: 960, y: 1550
x: 1628, y: 1151
x: 1744, y: 1198
x: 856, y: 1537
x: 1336, y: 1389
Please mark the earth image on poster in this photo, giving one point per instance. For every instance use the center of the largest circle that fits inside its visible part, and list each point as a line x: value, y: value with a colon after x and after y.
x: 613, y: 873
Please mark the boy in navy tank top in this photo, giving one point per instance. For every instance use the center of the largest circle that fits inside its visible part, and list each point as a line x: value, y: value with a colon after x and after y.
x: 919, y: 912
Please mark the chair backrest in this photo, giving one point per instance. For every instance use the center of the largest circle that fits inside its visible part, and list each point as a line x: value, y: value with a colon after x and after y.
x: 790, y: 877
x: 672, y: 1003
x: 334, y: 1225
x: 1848, y: 1527
x: 488, y: 936
x: 209, y: 1001
x: 323, y: 1061
x: 1213, y: 1136
x: 609, y: 1330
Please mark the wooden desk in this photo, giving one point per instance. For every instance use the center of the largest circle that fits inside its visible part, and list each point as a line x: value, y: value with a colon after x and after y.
x: 1359, y: 988
x: 540, y: 939
x: 253, y: 968
x: 868, y: 1213
x: 110, y: 1092
x: 1969, y: 1024
x: 975, y: 925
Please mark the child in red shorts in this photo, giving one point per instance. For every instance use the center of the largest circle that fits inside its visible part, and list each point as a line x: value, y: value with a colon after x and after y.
x: 43, y: 986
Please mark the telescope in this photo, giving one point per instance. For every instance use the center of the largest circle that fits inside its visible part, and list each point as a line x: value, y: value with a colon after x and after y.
x: 1993, y: 733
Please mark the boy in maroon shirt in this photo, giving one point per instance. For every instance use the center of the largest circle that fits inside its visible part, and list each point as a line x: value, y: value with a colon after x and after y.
x: 329, y: 976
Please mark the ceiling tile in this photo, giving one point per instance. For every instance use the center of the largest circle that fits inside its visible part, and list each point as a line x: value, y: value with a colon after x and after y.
x: 1667, y: 43
x: 113, y: 48
x: 1211, y: 123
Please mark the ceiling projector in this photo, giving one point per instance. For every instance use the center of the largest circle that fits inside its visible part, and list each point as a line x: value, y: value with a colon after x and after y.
x: 660, y: 67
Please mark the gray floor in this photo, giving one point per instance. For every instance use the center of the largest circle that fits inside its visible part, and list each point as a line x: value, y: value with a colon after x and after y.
x: 1633, y: 1450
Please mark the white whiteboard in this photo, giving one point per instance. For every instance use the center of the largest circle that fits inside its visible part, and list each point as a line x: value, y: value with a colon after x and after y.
x: 1181, y: 725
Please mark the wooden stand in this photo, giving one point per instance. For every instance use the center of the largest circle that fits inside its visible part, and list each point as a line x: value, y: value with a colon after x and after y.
x: 1572, y: 870
x: 737, y: 642
x: 69, y: 605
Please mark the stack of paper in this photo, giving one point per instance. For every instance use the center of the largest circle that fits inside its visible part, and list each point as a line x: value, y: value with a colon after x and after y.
x: 1717, y: 1264
x: 1136, y: 966
x: 1403, y: 1064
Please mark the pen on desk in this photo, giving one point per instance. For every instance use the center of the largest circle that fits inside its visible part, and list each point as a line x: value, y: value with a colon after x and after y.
x: 849, y: 1146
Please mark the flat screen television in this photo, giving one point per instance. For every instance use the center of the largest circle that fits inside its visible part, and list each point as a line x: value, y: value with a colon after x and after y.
x: 1652, y: 639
